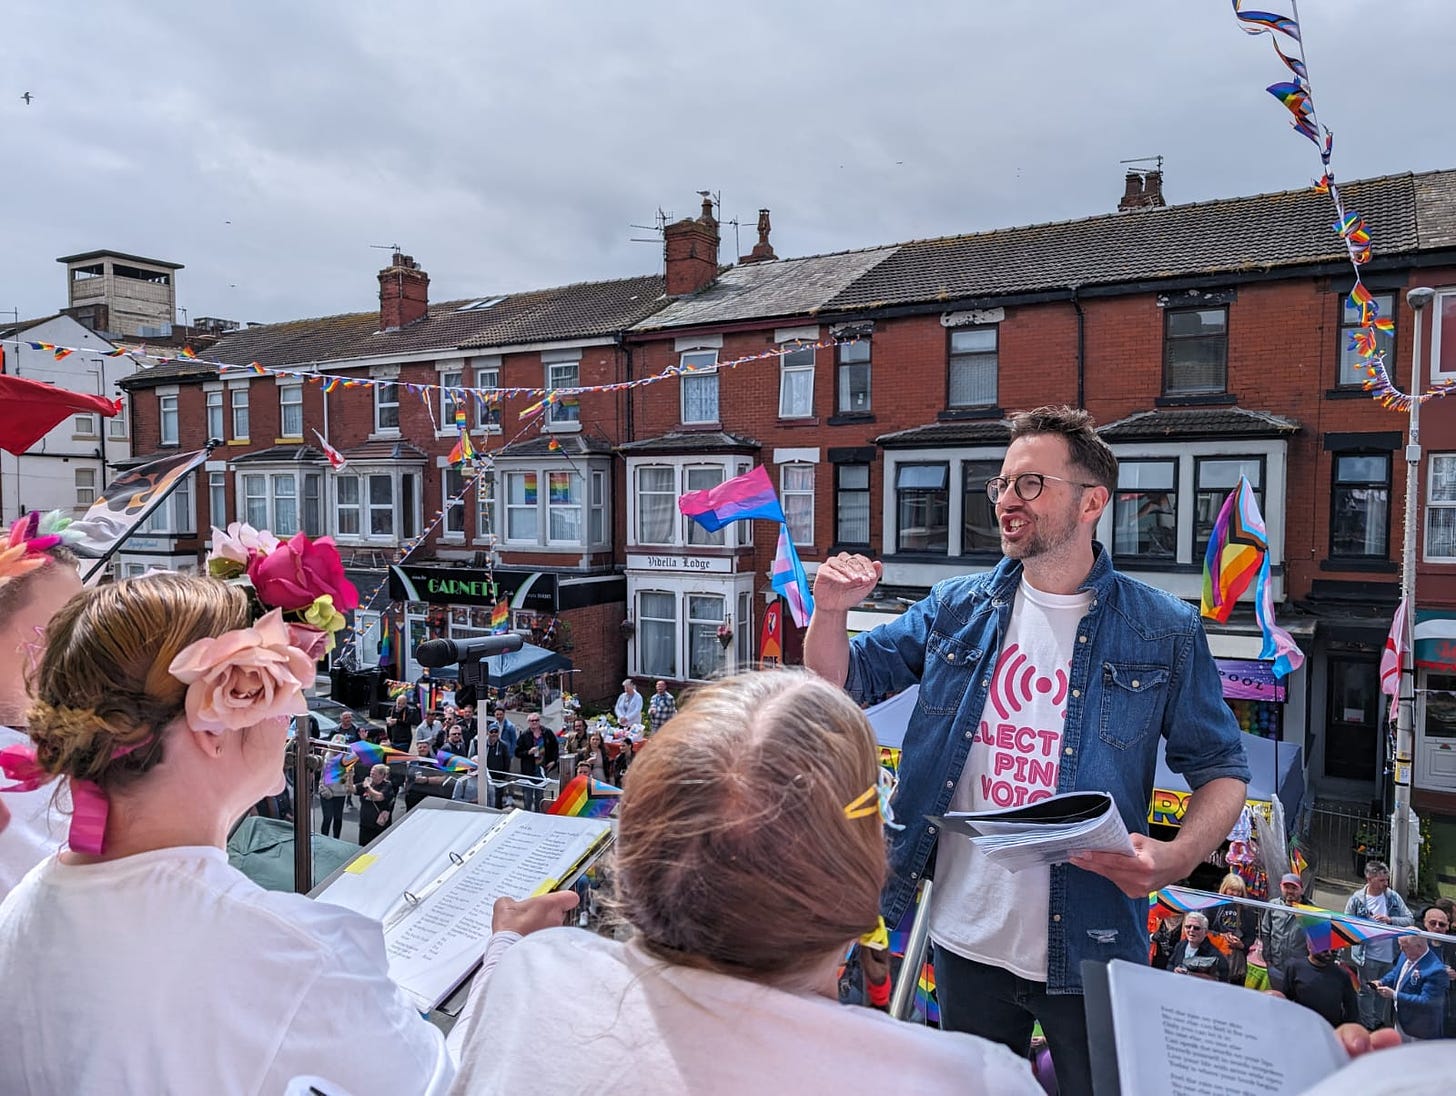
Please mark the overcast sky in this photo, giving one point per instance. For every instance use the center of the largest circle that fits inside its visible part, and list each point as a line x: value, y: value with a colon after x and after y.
x: 512, y: 145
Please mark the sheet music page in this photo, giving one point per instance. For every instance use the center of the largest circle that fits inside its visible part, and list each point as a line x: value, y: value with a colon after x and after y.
x: 1183, y: 1036
x: 415, y: 850
x: 436, y: 943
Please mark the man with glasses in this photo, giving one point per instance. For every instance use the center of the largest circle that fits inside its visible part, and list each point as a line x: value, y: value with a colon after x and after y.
x: 1050, y: 673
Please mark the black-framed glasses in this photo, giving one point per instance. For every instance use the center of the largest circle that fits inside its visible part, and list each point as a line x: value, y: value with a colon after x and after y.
x: 1027, y: 485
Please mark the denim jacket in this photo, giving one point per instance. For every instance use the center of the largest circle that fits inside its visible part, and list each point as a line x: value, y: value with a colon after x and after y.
x: 1141, y: 669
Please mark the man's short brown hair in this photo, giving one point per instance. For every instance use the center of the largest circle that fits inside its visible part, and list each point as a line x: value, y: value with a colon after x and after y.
x: 1089, y: 452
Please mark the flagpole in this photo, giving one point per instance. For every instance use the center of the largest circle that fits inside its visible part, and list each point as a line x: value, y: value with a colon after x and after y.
x: 1402, y: 871
x: 163, y: 497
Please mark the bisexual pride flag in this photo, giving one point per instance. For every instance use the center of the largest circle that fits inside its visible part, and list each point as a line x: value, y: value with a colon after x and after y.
x: 750, y: 495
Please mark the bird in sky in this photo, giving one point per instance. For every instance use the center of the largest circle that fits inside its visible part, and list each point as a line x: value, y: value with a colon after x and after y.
x: 27, y: 97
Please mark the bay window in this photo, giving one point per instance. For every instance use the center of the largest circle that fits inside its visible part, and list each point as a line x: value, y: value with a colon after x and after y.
x: 656, y: 504
x: 980, y: 529
x: 379, y: 503
x: 1145, y: 514
x: 563, y: 507
x: 657, y: 634
x: 702, y: 478
x: 1215, y: 478
x: 522, y: 507
x: 922, y: 508
x: 705, y: 653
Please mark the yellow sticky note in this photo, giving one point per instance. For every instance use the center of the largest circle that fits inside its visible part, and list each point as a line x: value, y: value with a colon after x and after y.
x: 362, y: 863
x: 545, y: 888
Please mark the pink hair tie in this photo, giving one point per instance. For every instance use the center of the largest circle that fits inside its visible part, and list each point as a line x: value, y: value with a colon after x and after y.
x: 90, y: 804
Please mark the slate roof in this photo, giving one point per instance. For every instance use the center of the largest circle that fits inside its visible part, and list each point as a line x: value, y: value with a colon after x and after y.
x: 693, y: 441
x: 783, y: 287
x: 963, y: 432
x: 572, y: 445
x: 151, y: 376
x: 1222, y: 422
x: 579, y: 311
x: 1404, y: 213
x: 385, y: 451
x: 283, y: 454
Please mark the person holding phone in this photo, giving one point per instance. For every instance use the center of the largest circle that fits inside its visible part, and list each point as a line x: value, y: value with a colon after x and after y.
x: 376, y: 803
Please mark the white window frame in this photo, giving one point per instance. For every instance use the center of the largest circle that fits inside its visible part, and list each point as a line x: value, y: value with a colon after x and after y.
x: 597, y: 531
x: 290, y: 396
x: 488, y: 412
x: 710, y: 625
x: 796, y: 361
x: 85, y: 487
x: 83, y: 426
x: 979, y: 356
x: 453, y: 520
x: 670, y: 672
x: 693, y: 534
x: 239, y: 406
x: 175, y: 516
x: 268, y: 487
x: 406, y: 514
x: 1434, y: 504
x: 700, y: 359
x: 510, y: 477
x: 253, y: 506
x: 167, y: 413
x: 450, y: 379
x: 635, y: 535
x: 564, y: 413
x: 730, y: 464
x: 213, y: 404
x: 802, y: 534
x: 116, y: 428
x: 386, y: 406
x: 576, y: 486
x: 217, y: 499
x: 1445, y: 300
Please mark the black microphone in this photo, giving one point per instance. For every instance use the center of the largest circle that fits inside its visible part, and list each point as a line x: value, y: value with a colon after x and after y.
x: 447, y: 652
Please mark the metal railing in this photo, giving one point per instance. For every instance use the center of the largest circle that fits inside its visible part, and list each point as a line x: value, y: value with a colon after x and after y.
x: 1340, y: 837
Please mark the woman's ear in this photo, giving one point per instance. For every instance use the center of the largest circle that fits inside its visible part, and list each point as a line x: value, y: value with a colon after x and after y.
x: 206, y: 743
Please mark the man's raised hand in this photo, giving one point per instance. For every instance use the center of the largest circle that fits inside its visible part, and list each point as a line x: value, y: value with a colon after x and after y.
x: 845, y: 580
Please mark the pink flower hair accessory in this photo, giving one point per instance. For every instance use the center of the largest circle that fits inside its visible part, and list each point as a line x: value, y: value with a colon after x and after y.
x: 30, y: 539
x: 243, y: 677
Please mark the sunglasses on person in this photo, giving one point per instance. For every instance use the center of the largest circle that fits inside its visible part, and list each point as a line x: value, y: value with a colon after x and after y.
x: 1027, y: 485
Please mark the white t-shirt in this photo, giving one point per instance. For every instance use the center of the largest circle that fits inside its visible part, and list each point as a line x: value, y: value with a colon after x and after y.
x: 978, y: 909
x: 1416, y: 1069
x: 171, y: 972
x: 1382, y: 951
x: 569, y: 1011
x: 39, y: 821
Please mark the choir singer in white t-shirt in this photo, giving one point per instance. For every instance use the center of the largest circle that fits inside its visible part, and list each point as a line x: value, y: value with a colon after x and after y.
x: 148, y: 964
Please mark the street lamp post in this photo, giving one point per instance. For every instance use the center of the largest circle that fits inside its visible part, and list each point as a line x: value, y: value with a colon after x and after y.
x: 1402, y: 869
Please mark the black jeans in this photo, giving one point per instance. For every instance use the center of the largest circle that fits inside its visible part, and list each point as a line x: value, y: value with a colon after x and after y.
x: 333, y: 811
x: 998, y: 1005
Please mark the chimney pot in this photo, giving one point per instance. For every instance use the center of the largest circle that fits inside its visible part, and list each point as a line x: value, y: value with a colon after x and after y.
x: 1142, y: 190
x: 690, y: 252
x: 762, y: 251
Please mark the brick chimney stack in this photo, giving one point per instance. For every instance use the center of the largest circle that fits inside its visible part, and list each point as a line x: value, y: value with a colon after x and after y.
x: 404, y: 293
x: 690, y: 249
x: 1142, y: 190
x: 762, y: 251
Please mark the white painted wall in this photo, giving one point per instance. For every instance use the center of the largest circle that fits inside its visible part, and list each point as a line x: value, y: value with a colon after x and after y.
x: 43, y: 478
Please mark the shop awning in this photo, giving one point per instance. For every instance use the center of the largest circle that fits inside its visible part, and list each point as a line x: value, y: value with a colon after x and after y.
x: 513, y: 666
x: 1436, y: 639
x: 1275, y: 768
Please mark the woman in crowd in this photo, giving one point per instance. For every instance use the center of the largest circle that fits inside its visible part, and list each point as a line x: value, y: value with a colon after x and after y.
x: 746, y: 864
x: 334, y: 793
x: 1233, y: 928
x: 596, y: 757
x: 37, y: 576
x: 151, y: 965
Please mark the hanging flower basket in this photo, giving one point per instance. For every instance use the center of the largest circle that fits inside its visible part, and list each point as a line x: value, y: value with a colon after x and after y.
x: 725, y: 635
x: 628, y: 628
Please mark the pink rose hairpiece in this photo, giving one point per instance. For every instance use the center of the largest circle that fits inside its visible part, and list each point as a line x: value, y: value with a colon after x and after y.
x: 30, y: 539
x: 300, y: 593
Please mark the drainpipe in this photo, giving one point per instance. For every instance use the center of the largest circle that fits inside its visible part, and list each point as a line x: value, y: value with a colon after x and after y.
x: 1081, y: 348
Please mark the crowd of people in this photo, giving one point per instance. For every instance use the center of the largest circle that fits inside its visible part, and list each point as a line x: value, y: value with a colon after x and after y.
x: 757, y: 842
x: 1401, y: 982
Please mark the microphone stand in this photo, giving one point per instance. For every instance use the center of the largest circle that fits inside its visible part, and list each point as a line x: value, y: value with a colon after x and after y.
x: 302, y: 806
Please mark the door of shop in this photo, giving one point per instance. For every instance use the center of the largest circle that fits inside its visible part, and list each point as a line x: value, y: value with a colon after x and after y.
x: 1436, y: 743
x: 1352, y: 719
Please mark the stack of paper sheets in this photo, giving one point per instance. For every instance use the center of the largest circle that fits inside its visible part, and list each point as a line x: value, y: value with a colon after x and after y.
x: 1048, y: 831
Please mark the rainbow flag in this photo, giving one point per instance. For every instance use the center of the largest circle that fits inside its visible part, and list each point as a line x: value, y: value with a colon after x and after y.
x: 750, y: 495
x: 463, y: 450
x: 1235, y: 547
x: 584, y: 797
x: 500, y: 617
x: 368, y: 752
x: 925, y: 1002
x: 454, y: 763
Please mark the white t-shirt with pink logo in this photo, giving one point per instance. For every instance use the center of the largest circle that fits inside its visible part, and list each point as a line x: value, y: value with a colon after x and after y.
x: 978, y: 909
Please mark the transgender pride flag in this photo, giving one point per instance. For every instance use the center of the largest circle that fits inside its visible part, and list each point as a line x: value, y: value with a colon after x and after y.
x: 790, y: 580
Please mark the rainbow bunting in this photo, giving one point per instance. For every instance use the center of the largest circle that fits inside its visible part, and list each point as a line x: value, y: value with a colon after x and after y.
x: 584, y: 797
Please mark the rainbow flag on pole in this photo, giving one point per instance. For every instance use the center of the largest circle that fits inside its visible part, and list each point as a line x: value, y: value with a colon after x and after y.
x: 584, y: 797
x: 454, y: 763
x: 500, y: 617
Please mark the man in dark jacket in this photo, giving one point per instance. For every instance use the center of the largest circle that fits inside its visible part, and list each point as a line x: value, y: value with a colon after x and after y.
x: 1195, y: 954
x: 537, y: 752
x: 400, y: 723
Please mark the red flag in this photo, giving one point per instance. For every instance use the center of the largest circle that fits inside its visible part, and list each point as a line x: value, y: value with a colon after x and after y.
x: 770, y: 643
x: 33, y: 409
x: 336, y: 459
